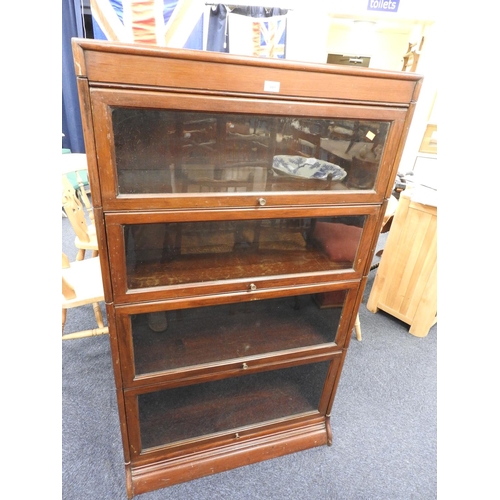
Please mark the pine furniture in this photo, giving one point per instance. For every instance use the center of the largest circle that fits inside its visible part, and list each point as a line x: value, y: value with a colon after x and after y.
x: 406, y: 282
x: 210, y: 210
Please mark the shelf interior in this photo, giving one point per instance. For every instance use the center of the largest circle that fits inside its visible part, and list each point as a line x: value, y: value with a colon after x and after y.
x: 230, y: 331
x: 167, y: 254
x: 188, y: 412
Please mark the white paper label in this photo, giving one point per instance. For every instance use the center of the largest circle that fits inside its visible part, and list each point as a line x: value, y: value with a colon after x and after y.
x: 271, y: 86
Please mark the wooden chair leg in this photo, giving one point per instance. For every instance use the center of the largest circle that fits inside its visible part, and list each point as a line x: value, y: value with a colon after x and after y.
x: 63, y: 319
x: 101, y: 330
x: 86, y: 333
x: 81, y: 254
x: 98, y: 314
x: 357, y: 328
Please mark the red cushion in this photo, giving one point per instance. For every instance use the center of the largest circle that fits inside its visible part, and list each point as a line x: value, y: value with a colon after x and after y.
x: 339, y: 241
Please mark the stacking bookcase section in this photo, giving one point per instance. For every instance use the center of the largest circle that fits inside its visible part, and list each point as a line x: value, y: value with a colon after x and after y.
x: 232, y: 407
x: 236, y: 227
x: 163, y: 149
x: 158, y: 255
x: 246, y: 329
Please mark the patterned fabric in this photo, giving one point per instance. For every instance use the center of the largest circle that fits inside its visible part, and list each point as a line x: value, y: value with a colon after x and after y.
x: 269, y: 37
x: 261, y: 37
x: 157, y: 22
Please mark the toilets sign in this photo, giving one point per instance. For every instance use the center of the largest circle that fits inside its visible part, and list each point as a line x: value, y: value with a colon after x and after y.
x: 383, y: 5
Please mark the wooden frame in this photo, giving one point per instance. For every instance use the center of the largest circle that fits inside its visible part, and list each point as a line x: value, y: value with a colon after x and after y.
x: 105, y: 100
x: 429, y: 141
x: 124, y: 294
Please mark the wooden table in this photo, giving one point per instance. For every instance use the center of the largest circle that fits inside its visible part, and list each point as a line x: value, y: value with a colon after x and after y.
x: 406, y: 283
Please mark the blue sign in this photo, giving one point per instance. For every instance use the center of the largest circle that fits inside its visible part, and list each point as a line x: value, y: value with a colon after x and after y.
x: 383, y: 5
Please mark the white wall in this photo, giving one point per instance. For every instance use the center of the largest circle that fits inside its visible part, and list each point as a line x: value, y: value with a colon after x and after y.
x: 386, y: 43
x: 307, y: 34
x: 388, y: 51
x: 428, y: 67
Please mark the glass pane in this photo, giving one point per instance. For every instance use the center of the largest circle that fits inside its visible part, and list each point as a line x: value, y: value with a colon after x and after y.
x: 188, y: 252
x: 167, y: 151
x: 209, y: 334
x: 187, y: 412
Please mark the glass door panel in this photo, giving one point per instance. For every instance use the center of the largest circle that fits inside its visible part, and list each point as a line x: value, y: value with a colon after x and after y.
x: 177, y: 253
x: 171, y: 339
x: 188, y: 412
x: 160, y: 151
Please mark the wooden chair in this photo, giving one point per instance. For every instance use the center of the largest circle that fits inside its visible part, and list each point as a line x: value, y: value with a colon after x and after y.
x: 362, y: 173
x: 410, y: 59
x: 74, y: 167
x: 232, y: 179
x: 342, y: 131
x: 82, y: 285
x: 73, y: 206
x: 306, y: 144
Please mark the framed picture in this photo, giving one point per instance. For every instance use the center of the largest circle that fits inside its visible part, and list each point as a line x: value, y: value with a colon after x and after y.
x: 429, y: 142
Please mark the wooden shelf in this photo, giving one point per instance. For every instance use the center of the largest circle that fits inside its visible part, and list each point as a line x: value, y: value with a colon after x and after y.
x: 202, y: 409
x: 231, y: 331
x: 199, y: 268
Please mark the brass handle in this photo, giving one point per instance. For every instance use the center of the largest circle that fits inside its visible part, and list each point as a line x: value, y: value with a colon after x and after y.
x: 262, y: 201
x: 252, y: 287
x: 245, y: 366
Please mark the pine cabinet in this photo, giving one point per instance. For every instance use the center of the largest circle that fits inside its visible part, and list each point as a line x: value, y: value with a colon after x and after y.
x: 237, y: 204
x: 406, y: 282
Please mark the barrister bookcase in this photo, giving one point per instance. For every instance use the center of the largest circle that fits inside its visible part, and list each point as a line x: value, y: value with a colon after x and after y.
x: 237, y: 204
